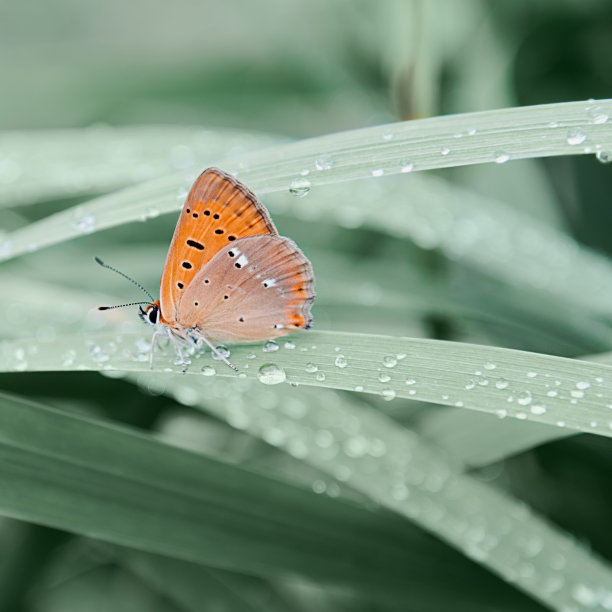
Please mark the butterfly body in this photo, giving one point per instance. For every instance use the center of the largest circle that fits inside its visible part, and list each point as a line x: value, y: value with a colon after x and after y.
x: 229, y: 276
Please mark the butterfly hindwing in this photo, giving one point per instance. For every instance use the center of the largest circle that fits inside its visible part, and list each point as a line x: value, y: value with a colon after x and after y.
x: 219, y: 211
x: 255, y: 288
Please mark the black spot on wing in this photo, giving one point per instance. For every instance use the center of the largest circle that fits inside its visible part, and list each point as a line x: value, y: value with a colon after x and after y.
x: 195, y: 245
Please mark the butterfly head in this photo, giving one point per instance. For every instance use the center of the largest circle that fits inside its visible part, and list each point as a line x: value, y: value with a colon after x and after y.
x: 151, y: 313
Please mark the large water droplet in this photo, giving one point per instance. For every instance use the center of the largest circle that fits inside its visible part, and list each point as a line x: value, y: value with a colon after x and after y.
x: 388, y: 394
x: 341, y: 361
x: 324, y: 162
x: 271, y: 374
x: 524, y: 398
x: 406, y: 166
x: 389, y: 361
x: 223, y: 352
x: 501, y: 157
x: 208, y: 371
x: 575, y: 136
x: 605, y: 157
x: 86, y: 224
x: 597, y: 115
x: 299, y: 187
x: 270, y: 347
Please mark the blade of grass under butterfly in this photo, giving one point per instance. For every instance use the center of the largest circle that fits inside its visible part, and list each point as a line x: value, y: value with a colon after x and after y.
x: 566, y: 393
x: 489, y: 136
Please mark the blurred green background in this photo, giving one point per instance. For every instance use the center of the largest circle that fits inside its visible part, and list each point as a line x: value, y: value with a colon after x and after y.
x: 283, y: 70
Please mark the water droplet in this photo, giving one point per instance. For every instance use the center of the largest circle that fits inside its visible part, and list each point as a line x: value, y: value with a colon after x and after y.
x: 86, y: 224
x: 406, y: 166
x: 583, y: 384
x: 359, y: 388
x: 552, y: 393
x: 605, y: 157
x: 388, y: 394
x: 598, y: 115
x: 223, y: 352
x: 501, y: 413
x: 289, y: 345
x: 320, y: 376
x: 489, y: 365
x: 410, y: 381
x: 341, y: 361
x: 538, y: 409
x: 251, y: 355
x: 299, y: 187
x: 532, y: 374
x: 389, y: 361
x: 401, y: 356
x: 387, y: 135
x: 319, y: 486
x: 271, y: 374
x: 445, y: 150
x: 577, y: 393
x: 378, y: 172
x: 470, y: 384
x: 500, y: 157
x: 208, y: 371
x: 383, y: 377
x: 586, y: 596
x: 97, y: 354
x: 524, y: 398
x: 311, y: 368
x: 575, y: 136
x: 324, y: 162
x: 68, y: 358
x: 270, y: 347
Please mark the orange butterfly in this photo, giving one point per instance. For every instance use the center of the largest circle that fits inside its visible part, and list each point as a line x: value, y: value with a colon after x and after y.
x: 228, y: 276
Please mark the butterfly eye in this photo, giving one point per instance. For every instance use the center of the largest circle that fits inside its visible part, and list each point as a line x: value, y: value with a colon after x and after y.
x: 153, y: 315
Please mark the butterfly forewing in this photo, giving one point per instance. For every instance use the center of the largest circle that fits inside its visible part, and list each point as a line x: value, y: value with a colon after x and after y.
x: 252, y: 289
x: 218, y: 212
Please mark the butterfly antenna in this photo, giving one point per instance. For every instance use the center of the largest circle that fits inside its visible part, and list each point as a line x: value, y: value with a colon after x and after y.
x: 122, y: 305
x: 99, y: 261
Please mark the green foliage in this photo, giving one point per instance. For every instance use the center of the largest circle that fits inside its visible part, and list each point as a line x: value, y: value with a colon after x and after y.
x: 439, y: 439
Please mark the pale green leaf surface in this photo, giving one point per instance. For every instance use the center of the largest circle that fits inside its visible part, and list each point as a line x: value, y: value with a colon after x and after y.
x: 421, y: 144
x: 553, y: 390
x: 50, y: 164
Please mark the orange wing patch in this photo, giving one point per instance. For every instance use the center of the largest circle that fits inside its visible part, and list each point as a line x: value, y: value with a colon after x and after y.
x: 218, y: 211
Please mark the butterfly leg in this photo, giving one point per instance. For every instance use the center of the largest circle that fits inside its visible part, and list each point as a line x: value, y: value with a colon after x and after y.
x: 156, y: 333
x: 213, y: 348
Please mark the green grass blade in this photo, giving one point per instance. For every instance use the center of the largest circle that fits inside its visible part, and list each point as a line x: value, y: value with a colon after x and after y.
x: 366, y: 450
x: 567, y: 393
x: 422, y: 144
x: 111, y: 483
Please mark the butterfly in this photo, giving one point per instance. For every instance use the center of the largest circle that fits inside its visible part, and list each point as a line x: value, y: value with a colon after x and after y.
x: 229, y: 276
